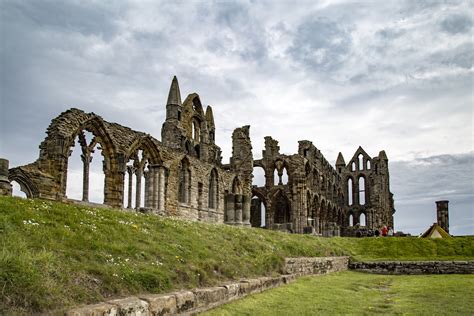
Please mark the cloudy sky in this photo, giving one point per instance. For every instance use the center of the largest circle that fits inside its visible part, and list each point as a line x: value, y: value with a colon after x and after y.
x: 393, y: 75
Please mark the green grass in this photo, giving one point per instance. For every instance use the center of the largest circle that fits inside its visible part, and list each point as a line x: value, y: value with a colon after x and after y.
x: 55, y: 255
x: 362, y: 294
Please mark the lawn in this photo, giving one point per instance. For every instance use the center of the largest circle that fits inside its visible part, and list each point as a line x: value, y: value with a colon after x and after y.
x: 362, y: 294
x: 55, y: 255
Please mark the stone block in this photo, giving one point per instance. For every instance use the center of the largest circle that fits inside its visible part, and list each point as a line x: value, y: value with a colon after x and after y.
x: 209, y: 296
x: 250, y: 286
x: 288, y: 278
x: 161, y: 304
x: 102, y: 309
x: 232, y: 290
x: 131, y: 306
x: 185, y: 301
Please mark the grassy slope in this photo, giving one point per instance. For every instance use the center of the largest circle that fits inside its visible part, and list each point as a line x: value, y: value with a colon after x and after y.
x: 362, y: 294
x: 55, y: 255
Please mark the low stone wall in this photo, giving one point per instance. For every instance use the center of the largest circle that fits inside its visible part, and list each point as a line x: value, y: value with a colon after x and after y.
x: 415, y: 267
x: 199, y: 300
x: 315, y: 265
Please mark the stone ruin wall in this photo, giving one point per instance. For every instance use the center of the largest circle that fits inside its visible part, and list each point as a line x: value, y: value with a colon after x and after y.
x: 184, y: 175
x: 318, y: 198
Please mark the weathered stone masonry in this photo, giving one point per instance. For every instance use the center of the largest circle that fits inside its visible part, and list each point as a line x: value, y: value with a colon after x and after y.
x: 183, y: 174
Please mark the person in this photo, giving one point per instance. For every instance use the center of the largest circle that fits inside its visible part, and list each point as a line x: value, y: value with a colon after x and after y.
x: 377, y: 233
x: 390, y: 232
x: 384, y: 231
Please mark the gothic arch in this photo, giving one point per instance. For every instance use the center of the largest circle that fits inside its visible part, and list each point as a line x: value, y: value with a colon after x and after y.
x: 26, y: 185
x: 236, y: 186
x: 213, y: 198
x: 147, y: 145
x: 281, y: 208
x: 184, y: 181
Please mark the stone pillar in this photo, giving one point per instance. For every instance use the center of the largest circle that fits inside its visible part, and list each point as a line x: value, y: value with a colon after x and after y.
x: 442, y: 213
x: 5, y: 186
x: 230, y: 202
x: 86, y: 160
x: 148, y: 187
x: 161, y: 190
x: 246, y: 210
x: 238, y: 209
x: 155, y: 188
x: 138, y: 193
x: 316, y: 224
x: 130, y: 185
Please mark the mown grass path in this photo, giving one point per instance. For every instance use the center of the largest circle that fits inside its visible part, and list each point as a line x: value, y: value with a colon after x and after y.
x: 353, y: 293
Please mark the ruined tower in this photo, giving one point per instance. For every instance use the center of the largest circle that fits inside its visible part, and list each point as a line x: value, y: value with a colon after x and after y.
x: 238, y: 199
x: 172, y: 131
x: 443, y: 214
x: 5, y: 186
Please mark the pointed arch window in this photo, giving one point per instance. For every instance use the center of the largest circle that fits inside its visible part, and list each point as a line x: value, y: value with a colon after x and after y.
x: 349, y: 192
x: 184, y: 182
x: 362, y: 220
x: 196, y: 130
x: 360, y: 159
x: 361, y: 191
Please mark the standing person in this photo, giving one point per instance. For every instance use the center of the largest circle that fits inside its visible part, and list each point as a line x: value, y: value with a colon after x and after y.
x: 384, y: 231
x: 390, y: 232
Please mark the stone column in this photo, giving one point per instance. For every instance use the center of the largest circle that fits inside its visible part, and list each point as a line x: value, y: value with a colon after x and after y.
x: 148, y: 186
x: 5, y: 186
x: 130, y: 172
x: 246, y: 210
x: 138, y: 193
x: 156, y: 183
x: 230, y: 202
x: 238, y: 209
x: 161, y: 190
x: 86, y: 160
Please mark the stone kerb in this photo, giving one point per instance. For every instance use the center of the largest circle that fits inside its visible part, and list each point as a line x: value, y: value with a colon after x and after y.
x: 202, y: 299
x: 414, y: 267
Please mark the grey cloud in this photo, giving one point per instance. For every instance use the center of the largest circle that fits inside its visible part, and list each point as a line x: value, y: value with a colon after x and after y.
x: 71, y: 16
x: 389, y: 33
x: 321, y: 45
x: 457, y: 23
x: 461, y: 56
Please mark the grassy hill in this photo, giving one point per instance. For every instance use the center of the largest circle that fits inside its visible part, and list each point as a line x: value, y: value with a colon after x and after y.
x: 55, y: 255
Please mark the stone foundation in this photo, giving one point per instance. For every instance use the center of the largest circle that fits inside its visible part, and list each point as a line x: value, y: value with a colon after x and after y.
x: 414, y: 267
x: 202, y: 299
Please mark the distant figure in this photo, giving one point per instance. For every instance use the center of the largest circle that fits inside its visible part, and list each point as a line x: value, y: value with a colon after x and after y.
x: 384, y: 231
x: 390, y: 232
x: 376, y: 233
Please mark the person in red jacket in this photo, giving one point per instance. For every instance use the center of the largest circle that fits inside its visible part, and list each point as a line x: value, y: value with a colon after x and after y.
x: 384, y: 231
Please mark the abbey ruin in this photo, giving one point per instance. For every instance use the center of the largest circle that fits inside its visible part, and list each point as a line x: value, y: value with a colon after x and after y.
x: 183, y: 175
